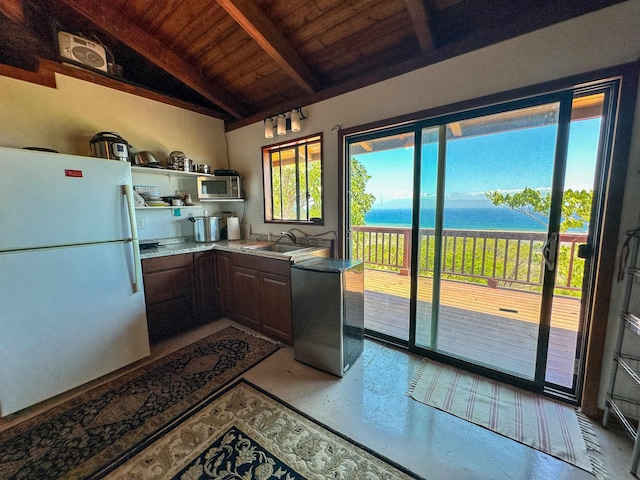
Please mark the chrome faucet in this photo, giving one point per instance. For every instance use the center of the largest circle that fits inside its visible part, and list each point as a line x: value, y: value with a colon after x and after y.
x: 291, y: 236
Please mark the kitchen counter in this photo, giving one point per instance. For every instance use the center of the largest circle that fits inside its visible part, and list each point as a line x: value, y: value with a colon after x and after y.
x: 180, y: 246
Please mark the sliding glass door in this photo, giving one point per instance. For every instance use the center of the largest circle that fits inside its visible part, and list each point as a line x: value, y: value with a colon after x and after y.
x: 484, y: 254
x: 379, y: 226
x: 478, y: 228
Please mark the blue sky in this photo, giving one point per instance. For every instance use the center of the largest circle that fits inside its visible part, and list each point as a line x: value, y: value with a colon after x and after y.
x: 505, y: 161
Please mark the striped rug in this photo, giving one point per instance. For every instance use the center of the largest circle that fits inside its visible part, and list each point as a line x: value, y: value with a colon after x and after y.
x: 539, y: 422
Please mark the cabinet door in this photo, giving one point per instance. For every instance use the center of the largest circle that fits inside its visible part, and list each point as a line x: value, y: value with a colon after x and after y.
x: 275, y: 294
x: 168, y: 318
x: 165, y: 285
x: 246, y: 297
x: 169, y: 294
x: 223, y: 281
x: 204, y: 264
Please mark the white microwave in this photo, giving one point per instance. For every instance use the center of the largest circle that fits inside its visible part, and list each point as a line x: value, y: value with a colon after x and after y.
x: 219, y: 188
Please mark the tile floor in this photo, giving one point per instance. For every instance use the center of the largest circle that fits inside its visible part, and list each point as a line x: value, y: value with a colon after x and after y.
x: 369, y: 405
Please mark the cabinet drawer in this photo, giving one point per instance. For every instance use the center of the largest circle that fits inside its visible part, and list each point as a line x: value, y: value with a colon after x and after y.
x: 166, y: 263
x: 167, y: 284
x: 278, y: 267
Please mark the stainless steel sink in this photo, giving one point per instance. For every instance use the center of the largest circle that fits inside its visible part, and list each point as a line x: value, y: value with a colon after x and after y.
x: 276, y: 247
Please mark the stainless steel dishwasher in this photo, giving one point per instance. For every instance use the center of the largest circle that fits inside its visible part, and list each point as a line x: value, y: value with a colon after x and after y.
x: 328, y: 313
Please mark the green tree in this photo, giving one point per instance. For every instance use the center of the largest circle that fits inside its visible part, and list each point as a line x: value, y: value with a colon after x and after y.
x: 576, y: 205
x: 289, y: 181
x: 576, y: 211
x: 361, y: 201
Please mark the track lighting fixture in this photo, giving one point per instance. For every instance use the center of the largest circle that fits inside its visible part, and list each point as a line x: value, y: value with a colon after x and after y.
x: 284, y: 121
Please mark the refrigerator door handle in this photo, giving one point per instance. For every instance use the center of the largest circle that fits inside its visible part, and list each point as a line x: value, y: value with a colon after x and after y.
x: 126, y: 190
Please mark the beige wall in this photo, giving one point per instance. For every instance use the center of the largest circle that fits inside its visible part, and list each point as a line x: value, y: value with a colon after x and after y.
x: 67, y: 117
x: 605, y: 38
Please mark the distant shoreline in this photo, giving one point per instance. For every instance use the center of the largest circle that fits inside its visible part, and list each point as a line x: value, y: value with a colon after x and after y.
x: 471, y: 218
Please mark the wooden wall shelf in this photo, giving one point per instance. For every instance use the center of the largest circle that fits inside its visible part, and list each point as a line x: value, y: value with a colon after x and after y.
x: 44, y: 74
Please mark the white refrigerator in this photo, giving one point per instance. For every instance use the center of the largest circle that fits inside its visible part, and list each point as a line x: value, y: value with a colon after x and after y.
x: 71, y: 297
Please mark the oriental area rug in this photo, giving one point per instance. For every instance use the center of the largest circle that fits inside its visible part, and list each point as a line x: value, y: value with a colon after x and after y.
x: 80, y: 437
x: 245, y: 433
x: 552, y: 427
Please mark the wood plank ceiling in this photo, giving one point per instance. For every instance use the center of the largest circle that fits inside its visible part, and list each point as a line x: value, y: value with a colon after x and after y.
x: 243, y: 60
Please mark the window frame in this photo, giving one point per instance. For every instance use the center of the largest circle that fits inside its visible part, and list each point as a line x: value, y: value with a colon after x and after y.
x: 267, y: 190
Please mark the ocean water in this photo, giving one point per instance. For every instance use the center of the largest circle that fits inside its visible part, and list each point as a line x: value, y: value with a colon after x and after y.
x: 489, y: 218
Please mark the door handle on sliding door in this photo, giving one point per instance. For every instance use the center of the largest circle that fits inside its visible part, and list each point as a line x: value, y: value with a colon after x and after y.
x: 549, y: 250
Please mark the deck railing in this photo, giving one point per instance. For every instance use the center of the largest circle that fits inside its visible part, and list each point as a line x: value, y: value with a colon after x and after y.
x: 495, y: 258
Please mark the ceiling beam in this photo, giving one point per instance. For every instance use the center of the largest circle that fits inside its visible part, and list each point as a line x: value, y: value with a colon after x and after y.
x: 265, y: 33
x: 12, y: 9
x: 421, y: 18
x: 112, y: 22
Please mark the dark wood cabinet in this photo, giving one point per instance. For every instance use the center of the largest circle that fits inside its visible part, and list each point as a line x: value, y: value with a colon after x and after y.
x: 246, y: 301
x: 182, y: 291
x: 223, y: 282
x: 275, y: 294
x: 207, y: 306
x: 262, y: 295
x: 169, y: 294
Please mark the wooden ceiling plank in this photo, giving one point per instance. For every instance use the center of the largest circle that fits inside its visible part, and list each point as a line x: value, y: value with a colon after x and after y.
x: 180, y: 20
x: 159, y: 13
x: 255, y: 77
x: 421, y: 18
x: 216, y: 34
x: 294, y: 16
x: 324, y: 33
x: 341, y: 73
x: 342, y: 19
x: 198, y: 26
x: 271, y: 87
x: 442, y: 4
x: 156, y: 52
x: 226, y: 44
x: 373, y: 40
x: 239, y: 63
x: 134, y: 10
x: 12, y: 9
x: 265, y: 33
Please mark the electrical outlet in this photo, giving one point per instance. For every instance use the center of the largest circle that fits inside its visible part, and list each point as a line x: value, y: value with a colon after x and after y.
x: 140, y: 222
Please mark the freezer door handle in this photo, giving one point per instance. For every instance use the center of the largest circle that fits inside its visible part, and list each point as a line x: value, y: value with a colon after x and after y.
x: 137, y: 273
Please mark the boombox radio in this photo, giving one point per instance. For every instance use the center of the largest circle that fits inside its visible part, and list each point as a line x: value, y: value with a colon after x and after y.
x: 82, y: 51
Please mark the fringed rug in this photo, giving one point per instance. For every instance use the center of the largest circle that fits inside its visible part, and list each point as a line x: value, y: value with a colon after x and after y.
x: 81, y: 436
x: 246, y: 433
x: 534, y: 420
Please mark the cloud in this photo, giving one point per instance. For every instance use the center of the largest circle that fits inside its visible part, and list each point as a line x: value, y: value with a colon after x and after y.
x: 403, y: 193
x: 513, y: 190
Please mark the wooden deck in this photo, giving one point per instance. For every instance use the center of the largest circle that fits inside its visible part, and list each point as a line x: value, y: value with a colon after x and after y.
x: 496, y: 327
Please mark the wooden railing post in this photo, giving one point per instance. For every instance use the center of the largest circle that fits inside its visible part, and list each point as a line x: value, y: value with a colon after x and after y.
x: 406, y: 255
x: 375, y: 245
